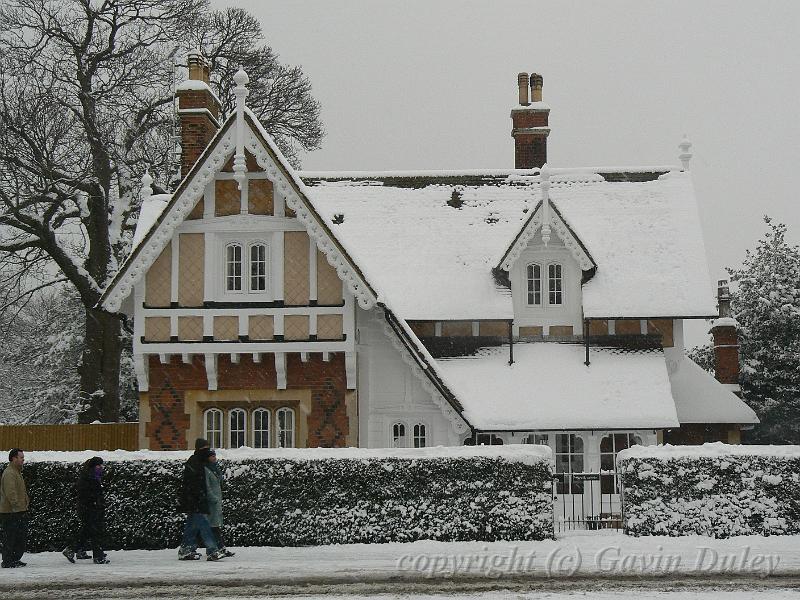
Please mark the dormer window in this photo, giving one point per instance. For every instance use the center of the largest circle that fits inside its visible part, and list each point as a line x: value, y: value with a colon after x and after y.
x: 534, y: 284
x: 555, y: 284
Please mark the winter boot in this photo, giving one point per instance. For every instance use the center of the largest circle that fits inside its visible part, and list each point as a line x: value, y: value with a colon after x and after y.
x: 216, y: 555
x: 227, y: 553
x: 81, y: 555
x: 102, y: 560
x: 69, y: 554
x: 188, y: 555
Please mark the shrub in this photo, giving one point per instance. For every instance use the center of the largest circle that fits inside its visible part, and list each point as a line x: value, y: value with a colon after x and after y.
x: 307, y: 497
x: 714, y: 490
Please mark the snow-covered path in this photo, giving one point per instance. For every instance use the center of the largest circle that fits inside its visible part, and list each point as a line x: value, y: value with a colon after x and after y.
x: 570, y: 564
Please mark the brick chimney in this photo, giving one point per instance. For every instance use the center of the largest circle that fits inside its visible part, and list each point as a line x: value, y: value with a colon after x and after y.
x: 529, y: 124
x: 726, y: 340
x: 198, y: 111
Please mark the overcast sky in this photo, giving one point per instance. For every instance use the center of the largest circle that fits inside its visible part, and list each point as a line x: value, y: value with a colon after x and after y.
x: 429, y: 84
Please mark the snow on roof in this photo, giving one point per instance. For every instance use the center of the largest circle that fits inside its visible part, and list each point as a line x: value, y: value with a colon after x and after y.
x: 699, y: 398
x: 431, y: 260
x: 709, y: 449
x: 515, y: 453
x: 148, y: 214
x: 550, y: 387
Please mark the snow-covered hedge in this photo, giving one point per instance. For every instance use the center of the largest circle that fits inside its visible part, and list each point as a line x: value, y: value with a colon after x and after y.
x: 716, y: 490
x: 308, y: 497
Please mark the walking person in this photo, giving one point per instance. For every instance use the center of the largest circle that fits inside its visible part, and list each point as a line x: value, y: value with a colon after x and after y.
x: 194, y: 502
x: 14, y: 510
x: 214, y: 488
x: 91, y: 513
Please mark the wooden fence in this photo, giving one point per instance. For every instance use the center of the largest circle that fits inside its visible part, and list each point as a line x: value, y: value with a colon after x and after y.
x: 105, y: 436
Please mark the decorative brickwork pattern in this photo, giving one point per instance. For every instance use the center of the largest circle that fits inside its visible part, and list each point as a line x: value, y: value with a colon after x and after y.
x: 156, y: 329
x: 168, y: 384
x: 329, y: 286
x: 226, y: 328
x: 295, y: 260
x: 190, y: 329
x: 664, y: 328
x: 191, y: 259
x: 159, y: 280
x: 261, y: 327
x: 259, y: 197
x: 227, y: 199
x: 328, y: 424
x: 598, y: 327
x: 456, y: 328
x: 295, y: 327
x: 531, y: 331
x: 329, y: 327
x: 423, y: 328
x: 496, y: 329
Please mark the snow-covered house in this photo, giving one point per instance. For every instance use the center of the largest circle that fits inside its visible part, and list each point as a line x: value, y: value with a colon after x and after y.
x: 533, y: 305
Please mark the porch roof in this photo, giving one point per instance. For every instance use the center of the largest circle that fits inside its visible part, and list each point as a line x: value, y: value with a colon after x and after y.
x: 550, y: 387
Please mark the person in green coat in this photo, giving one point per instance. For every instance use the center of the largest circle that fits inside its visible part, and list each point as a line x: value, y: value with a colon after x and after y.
x: 214, y: 490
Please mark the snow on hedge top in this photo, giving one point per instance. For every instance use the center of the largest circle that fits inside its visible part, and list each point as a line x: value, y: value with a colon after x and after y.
x: 550, y: 387
x: 433, y: 260
x: 513, y: 453
x: 708, y: 450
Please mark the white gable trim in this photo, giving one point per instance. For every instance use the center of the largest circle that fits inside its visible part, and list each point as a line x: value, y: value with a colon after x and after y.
x: 457, y: 423
x: 562, y: 230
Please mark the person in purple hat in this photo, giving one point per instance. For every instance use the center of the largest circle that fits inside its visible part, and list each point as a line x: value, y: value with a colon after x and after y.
x: 91, y: 513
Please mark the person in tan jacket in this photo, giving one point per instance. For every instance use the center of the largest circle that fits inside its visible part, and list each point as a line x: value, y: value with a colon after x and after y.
x: 14, y: 510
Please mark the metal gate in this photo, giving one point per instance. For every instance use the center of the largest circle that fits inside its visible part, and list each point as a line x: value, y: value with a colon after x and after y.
x: 587, y: 501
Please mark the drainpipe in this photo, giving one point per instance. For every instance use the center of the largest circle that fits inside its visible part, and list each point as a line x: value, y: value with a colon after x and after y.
x: 511, y: 342
x: 586, y: 339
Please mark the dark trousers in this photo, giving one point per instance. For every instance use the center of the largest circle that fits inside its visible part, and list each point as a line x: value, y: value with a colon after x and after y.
x: 218, y: 536
x: 15, y: 536
x: 90, y: 535
x: 197, y: 524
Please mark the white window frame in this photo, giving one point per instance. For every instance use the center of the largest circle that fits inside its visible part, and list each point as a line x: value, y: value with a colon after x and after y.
x: 570, y: 484
x: 250, y: 262
x: 528, y: 280
x: 246, y: 243
x: 394, y: 438
x: 631, y: 439
x: 263, y: 434
x: 242, y: 430
x: 537, y: 439
x: 560, y: 280
x: 211, y: 433
x: 227, y: 262
x: 415, y: 435
x: 280, y: 431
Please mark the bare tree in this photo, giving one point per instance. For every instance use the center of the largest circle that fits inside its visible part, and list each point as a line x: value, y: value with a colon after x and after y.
x: 86, y: 104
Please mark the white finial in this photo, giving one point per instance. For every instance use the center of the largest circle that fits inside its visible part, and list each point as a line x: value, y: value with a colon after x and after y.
x: 685, y: 156
x: 240, y: 91
x: 544, y: 174
x: 147, y: 186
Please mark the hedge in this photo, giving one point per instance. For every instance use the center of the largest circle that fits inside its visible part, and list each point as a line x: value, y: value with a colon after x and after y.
x: 714, y: 490
x: 279, y: 498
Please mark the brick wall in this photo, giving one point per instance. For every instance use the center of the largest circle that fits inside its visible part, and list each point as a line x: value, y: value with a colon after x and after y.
x: 726, y: 354
x: 198, y: 128
x: 327, y: 423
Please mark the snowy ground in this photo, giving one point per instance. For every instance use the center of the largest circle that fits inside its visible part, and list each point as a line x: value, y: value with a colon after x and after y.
x: 599, y: 565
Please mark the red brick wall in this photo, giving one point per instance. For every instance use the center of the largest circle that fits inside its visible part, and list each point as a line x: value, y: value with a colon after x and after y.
x: 529, y: 118
x: 197, y: 129
x: 530, y: 151
x: 328, y: 424
x: 726, y: 354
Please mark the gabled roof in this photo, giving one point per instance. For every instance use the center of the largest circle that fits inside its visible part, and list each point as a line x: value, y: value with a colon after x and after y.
x: 433, y: 260
x: 151, y: 241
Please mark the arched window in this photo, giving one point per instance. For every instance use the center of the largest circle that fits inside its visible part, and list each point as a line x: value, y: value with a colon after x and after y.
x: 258, y: 267
x: 569, y: 460
x: 233, y: 268
x: 399, y: 435
x: 555, y: 284
x: 610, y: 445
x: 237, y: 428
x: 534, y: 284
x: 261, y: 428
x: 285, y: 419
x: 212, y: 427
x: 420, y: 438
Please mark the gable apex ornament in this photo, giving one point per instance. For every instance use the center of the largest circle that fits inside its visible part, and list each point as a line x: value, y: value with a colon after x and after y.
x: 240, y: 91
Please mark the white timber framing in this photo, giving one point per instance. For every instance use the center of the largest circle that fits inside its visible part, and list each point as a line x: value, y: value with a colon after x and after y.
x: 211, y: 370
x: 280, y: 369
x: 312, y: 269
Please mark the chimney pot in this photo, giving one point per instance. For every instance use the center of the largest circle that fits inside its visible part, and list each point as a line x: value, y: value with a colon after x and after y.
x: 198, y: 67
x: 522, y: 82
x: 536, y: 87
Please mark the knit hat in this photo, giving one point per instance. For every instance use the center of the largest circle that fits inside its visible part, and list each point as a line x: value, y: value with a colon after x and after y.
x: 201, y: 443
x: 94, y: 461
